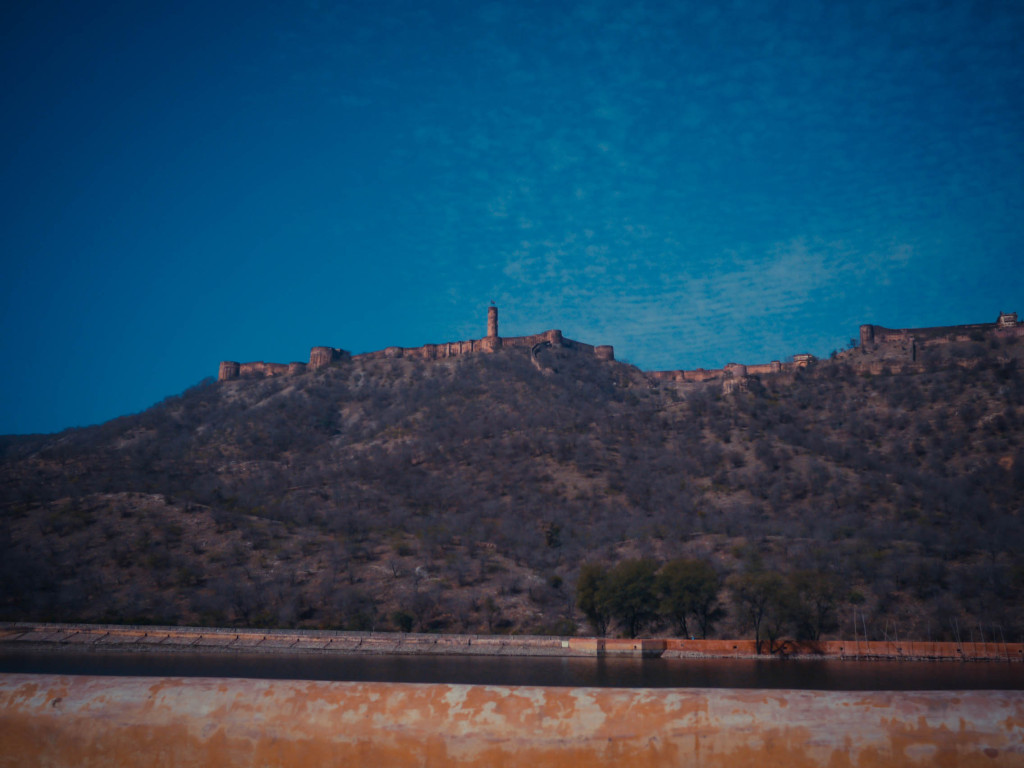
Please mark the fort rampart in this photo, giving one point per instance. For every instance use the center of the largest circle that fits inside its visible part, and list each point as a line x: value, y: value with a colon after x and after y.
x: 321, y: 357
x: 901, y: 343
x: 1005, y: 326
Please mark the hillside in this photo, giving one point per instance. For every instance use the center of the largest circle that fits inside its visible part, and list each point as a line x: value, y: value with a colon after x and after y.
x: 465, y: 494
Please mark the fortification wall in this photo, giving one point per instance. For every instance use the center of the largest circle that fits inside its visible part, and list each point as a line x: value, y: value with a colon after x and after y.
x: 230, y: 369
x: 903, y: 342
x: 262, y: 369
x: 322, y: 357
x: 474, y: 346
x: 732, y: 371
x: 697, y: 375
x: 1005, y: 326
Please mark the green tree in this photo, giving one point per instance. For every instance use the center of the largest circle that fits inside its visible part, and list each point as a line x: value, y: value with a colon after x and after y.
x: 632, y: 597
x: 814, y: 596
x: 760, y: 600
x: 689, y: 588
x: 592, y: 596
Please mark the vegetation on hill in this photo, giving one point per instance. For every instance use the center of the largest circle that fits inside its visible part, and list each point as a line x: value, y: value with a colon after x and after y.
x: 499, y: 493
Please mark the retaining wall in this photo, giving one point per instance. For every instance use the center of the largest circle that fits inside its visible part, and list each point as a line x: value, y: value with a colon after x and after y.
x: 118, y: 637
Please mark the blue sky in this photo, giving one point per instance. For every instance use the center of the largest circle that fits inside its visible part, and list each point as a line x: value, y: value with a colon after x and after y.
x: 695, y: 183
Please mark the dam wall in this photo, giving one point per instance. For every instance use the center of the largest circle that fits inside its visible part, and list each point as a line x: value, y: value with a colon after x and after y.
x: 211, y: 639
x: 137, y: 721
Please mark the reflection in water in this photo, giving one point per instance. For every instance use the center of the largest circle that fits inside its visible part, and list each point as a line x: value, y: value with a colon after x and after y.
x: 491, y: 670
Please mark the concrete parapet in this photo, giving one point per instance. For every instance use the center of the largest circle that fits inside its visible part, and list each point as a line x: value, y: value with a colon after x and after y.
x: 132, y: 721
x: 178, y: 638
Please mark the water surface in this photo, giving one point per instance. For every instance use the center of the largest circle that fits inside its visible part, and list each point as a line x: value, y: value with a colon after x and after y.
x: 491, y: 670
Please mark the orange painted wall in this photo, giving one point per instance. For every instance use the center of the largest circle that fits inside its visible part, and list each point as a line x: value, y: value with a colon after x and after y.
x: 96, y: 721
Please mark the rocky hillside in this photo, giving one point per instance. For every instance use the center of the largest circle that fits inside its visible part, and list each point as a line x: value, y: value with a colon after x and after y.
x: 466, y: 494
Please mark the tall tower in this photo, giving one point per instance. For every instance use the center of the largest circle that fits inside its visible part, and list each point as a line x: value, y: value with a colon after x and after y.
x: 492, y: 322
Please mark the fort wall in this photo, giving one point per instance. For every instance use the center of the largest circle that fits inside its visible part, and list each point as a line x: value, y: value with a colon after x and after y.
x: 322, y: 357
x: 731, y: 371
x: 899, y: 344
x: 1006, y: 326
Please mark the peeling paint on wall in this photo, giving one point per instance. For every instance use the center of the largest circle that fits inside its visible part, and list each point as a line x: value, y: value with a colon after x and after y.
x: 83, y: 721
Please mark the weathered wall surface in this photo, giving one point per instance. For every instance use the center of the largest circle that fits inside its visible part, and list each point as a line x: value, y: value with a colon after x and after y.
x: 871, y: 337
x: 1006, y: 327
x: 96, y: 721
x: 732, y: 371
x: 210, y: 639
x: 321, y: 357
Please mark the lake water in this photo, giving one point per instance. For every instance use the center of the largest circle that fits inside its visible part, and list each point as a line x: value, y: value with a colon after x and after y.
x: 573, y: 672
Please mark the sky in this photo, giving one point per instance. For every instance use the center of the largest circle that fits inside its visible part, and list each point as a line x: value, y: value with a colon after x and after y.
x: 693, y: 182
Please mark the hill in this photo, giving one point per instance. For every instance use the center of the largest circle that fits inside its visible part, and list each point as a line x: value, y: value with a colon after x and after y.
x: 465, y: 494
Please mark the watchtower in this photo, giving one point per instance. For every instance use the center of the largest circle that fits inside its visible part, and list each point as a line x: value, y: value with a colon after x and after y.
x: 492, y: 322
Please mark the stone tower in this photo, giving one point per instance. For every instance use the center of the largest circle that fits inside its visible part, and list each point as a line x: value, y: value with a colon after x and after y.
x: 229, y: 369
x: 491, y: 342
x: 492, y: 322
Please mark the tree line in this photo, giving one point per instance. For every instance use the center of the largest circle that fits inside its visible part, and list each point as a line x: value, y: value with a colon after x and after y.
x: 684, y: 595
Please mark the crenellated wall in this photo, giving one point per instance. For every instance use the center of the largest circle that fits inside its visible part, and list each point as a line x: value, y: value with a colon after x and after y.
x: 1006, y: 326
x: 474, y: 346
x: 322, y: 357
x: 900, y: 343
x: 732, y: 371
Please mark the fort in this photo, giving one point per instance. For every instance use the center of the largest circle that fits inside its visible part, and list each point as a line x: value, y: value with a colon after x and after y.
x: 321, y: 357
x: 910, y: 340
x: 881, y: 349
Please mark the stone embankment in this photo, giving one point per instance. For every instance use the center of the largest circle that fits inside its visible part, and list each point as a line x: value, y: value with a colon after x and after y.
x: 80, y: 720
x: 211, y: 639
